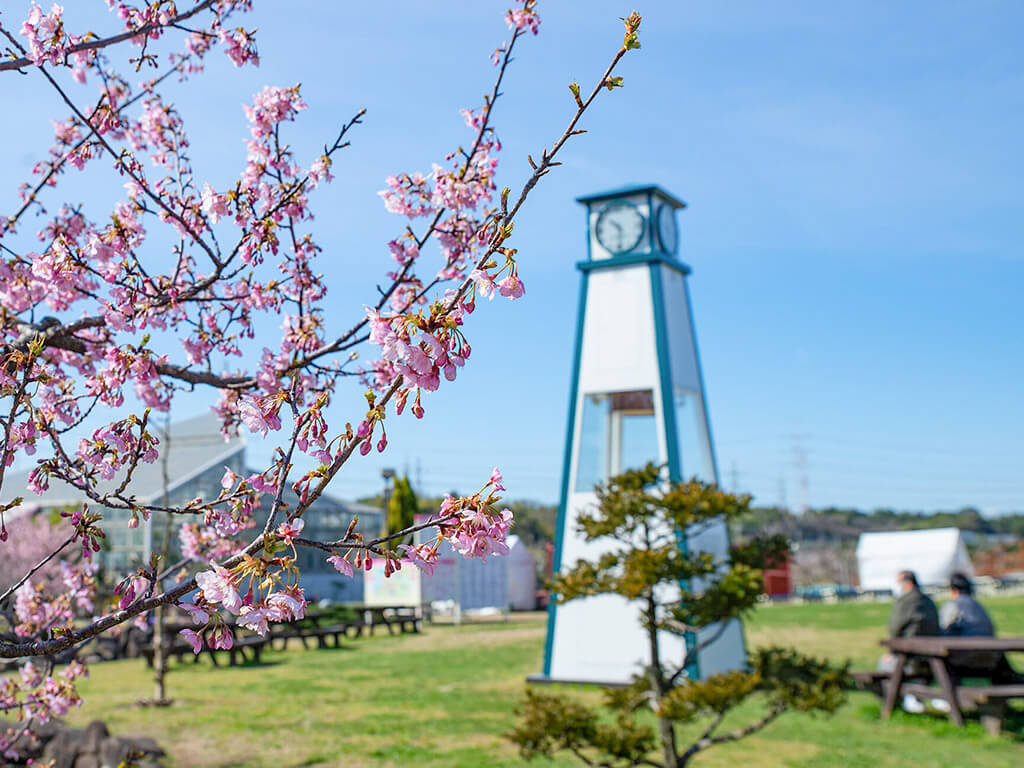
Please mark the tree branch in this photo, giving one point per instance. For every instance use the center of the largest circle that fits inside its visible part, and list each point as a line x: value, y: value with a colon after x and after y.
x: 94, y: 45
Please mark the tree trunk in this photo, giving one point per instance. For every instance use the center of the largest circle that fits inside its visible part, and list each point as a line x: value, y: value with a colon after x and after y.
x: 160, y: 649
x: 159, y: 659
x: 658, y: 685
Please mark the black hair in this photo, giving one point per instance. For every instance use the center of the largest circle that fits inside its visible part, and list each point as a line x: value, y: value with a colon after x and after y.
x: 960, y: 583
x: 908, y: 576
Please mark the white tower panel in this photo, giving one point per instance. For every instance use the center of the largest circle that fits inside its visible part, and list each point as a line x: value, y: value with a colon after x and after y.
x: 636, y: 396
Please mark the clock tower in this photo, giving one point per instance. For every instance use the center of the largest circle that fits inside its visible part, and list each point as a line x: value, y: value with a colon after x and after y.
x: 636, y: 395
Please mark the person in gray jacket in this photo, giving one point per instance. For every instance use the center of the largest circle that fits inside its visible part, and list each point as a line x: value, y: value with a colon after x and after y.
x: 963, y: 615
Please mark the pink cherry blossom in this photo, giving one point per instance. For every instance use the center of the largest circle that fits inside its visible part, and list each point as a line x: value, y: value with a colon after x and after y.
x: 256, y: 618
x: 218, y: 586
x: 511, y: 287
x: 341, y: 565
x: 198, y: 615
x: 214, y: 206
x: 524, y: 18
x: 289, y: 530
x: 423, y: 557
x: 194, y: 639
x: 288, y: 605
x: 256, y: 417
x: 222, y: 638
x: 484, y: 283
x: 47, y: 41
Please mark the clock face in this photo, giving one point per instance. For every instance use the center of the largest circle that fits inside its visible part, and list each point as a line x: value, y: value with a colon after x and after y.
x: 620, y: 227
x: 668, y: 235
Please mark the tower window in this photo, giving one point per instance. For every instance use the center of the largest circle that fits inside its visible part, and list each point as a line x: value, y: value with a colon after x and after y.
x: 617, y: 432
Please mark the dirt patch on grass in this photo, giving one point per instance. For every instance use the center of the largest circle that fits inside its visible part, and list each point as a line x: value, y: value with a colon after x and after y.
x: 447, y: 638
x: 764, y: 753
x: 861, y: 645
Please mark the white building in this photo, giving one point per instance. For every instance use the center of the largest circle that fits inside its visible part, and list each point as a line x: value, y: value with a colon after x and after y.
x: 196, y: 461
x: 506, y: 582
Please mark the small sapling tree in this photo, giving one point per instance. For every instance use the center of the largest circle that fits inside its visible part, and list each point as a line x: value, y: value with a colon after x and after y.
x: 681, y: 593
x: 402, y: 508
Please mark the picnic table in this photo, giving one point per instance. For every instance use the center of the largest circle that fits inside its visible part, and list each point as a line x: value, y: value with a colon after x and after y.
x: 943, y: 655
x: 318, y: 626
x: 246, y: 648
x: 321, y: 625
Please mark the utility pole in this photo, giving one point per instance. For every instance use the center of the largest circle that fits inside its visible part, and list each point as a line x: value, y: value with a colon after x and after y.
x: 734, y: 476
x: 800, y: 464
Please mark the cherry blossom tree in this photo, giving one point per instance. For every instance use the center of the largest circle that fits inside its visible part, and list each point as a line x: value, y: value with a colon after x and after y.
x: 31, y: 538
x: 112, y: 318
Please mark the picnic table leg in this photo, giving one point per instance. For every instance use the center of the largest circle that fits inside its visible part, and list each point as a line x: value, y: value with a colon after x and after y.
x: 895, y: 682
x: 992, y: 716
x: 941, y: 673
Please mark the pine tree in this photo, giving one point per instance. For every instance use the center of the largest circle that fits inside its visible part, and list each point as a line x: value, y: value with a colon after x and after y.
x: 644, y: 515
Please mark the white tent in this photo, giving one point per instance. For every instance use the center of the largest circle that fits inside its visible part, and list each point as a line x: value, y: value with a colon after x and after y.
x: 933, y: 555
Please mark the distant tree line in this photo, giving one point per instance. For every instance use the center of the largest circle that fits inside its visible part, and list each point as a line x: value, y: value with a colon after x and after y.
x: 831, y: 525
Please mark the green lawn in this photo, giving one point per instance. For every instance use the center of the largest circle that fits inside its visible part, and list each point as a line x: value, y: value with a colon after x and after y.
x: 444, y: 697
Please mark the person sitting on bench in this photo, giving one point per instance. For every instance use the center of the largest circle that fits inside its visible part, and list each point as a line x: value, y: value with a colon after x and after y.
x: 913, y: 615
x: 963, y: 616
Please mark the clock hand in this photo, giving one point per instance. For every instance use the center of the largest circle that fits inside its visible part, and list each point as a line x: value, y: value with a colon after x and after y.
x: 619, y: 228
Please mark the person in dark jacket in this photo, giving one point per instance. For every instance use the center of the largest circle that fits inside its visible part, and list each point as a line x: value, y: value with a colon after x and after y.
x: 913, y: 614
x: 963, y: 616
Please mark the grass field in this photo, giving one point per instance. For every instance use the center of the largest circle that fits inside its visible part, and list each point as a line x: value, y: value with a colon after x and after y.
x: 444, y: 697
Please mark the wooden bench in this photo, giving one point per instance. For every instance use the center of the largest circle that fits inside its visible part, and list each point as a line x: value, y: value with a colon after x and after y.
x: 402, y: 617
x: 870, y: 681
x: 245, y: 649
x: 396, y: 619
x: 320, y: 634
x: 990, y: 700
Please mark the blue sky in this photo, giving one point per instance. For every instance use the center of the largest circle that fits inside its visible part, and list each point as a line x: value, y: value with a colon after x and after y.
x: 854, y: 180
